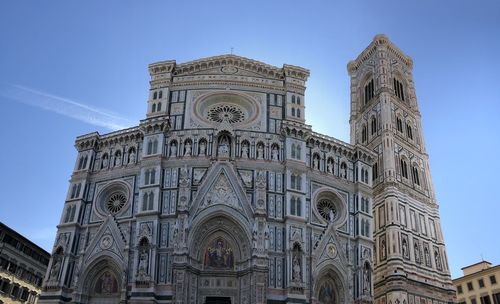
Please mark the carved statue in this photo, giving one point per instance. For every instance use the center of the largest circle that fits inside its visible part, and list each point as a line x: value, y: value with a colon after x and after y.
x: 118, y: 160
x: 382, y: 249
x: 173, y: 150
x: 315, y: 163
x: 366, y: 280
x: 417, y: 253
x: 275, y: 153
x: 266, y: 237
x: 131, y: 157
x: 56, y: 266
x: 143, y: 263
x: 223, y: 147
x: 405, y: 248
x: 187, y: 149
x: 437, y: 259
x: 203, y: 147
x: 329, y: 167
x: 105, y: 162
x: 296, y: 277
x: 260, y: 152
x: 244, y: 151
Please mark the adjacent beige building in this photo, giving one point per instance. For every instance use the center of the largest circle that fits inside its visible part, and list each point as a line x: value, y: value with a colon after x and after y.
x: 479, y: 285
x: 22, y: 267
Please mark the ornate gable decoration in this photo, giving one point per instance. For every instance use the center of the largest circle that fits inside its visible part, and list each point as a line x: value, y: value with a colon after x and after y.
x: 108, y: 240
x: 222, y: 192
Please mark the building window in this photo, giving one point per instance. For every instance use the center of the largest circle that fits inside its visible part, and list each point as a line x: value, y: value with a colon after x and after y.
x: 485, y: 299
x: 414, y: 175
x: 496, y: 298
x: 469, y: 286
x: 473, y: 301
x: 459, y: 289
x: 152, y: 146
x: 409, y: 131
x: 295, y: 153
x: 298, y: 113
x: 296, y: 206
x: 481, y: 283
x: 493, y: 280
x: 398, y: 89
x: 404, y: 169
x: 298, y: 100
x: 147, y: 201
x: 375, y: 171
x: 160, y: 95
x: 369, y: 91
x: 295, y: 181
x: 399, y: 124
x: 293, y: 111
x: 293, y: 98
x: 158, y: 107
x: 373, y: 124
x: 155, y: 95
x: 364, y: 134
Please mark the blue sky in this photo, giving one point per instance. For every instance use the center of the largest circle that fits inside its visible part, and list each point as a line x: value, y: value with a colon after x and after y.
x: 68, y: 68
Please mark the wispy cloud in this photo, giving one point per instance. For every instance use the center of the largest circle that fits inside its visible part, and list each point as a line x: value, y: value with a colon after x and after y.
x: 64, y: 106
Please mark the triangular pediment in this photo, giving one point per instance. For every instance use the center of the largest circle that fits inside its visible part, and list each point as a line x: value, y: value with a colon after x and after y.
x: 329, y: 249
x: 221, y: 187
x: 108, y: 240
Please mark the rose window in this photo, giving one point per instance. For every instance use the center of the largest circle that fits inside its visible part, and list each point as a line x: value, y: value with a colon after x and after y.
x: 116, y: 202
x: 326, y: 208
x: 226, y: 113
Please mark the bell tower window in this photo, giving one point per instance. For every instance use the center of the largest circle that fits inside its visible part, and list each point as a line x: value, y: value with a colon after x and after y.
x: 369, y: 91
x: 398, y: 89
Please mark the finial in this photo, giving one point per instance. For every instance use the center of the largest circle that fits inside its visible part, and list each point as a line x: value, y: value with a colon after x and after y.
x: 232, y: 49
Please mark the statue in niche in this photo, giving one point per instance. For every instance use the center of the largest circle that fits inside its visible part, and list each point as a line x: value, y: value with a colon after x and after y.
x: 173, y: 149
x: 142, y: 270
x: 329, y: 167
x: 131, y: 157
x: 366, y: 279
x: 437, y: 259
x: 296, y: 269
x: 417, y: 253
x: 187, y: 149
x: 266, y: 237
x: 382, y: 249
x: 326, y: 293
x: 56, y: 267
x: 118, y: 160
x: 405, y: 248
x: 244, y: 150
x: 105, y: 161
x: 260, y: 152
x: 275, y: 153
x: 223, y: 147
x: 315, y: 163
x: 203, y: 147
x: 427, y: 257
x: 219, y: 255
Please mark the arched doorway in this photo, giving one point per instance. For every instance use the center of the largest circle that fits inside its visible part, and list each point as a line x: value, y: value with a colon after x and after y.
x: 330, y: 288
x: 102, y: 283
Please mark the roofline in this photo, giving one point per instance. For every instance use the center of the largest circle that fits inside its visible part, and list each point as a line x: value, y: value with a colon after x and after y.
x: 475, y: 264
x: 2, y: 225
x: 475, y: 273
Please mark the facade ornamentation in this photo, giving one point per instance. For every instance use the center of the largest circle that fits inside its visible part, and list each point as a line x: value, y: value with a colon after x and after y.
x: 232, y: 197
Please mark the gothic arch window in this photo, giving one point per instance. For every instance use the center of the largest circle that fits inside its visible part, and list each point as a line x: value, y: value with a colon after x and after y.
x: 293, y: 98
x: 398, y: 89
x: 375, y: 171
x: 155, y: 95
x: 145, y: 200
x: 155, y: 146
x: 295, y: 181
x: 293, y: 151
x: 404, y: 168
x: 298, y: 113
x: 409, y: 131
x: 414, y: 175
x: 158, y: 107
x: 293, y: 111
x: 149, y: 150
x: 151, y: 200
x: 373, y: 123
x: 364, y: 134
x: 153, y: 108
x: 160, y: 95
x: 298, y: 101
x: 80, y: 163
x: 369, y: 91
x: 399, y: 124
x: 295, y: 206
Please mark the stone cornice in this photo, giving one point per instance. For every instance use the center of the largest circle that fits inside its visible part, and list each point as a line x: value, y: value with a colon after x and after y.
x: 94, y: 139
x: 195, y: 66
x: 379, y: 40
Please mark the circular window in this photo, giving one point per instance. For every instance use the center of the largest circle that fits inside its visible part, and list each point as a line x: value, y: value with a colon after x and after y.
x: 226, y: 108
x: 115, y: 202
x: 327, y: 209
x: 226, y: 113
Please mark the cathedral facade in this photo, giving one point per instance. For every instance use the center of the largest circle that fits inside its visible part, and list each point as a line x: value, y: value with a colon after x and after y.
x: 223, y: 194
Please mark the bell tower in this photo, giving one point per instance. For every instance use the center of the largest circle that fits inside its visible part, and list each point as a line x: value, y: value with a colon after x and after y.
x: 411, y: 266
